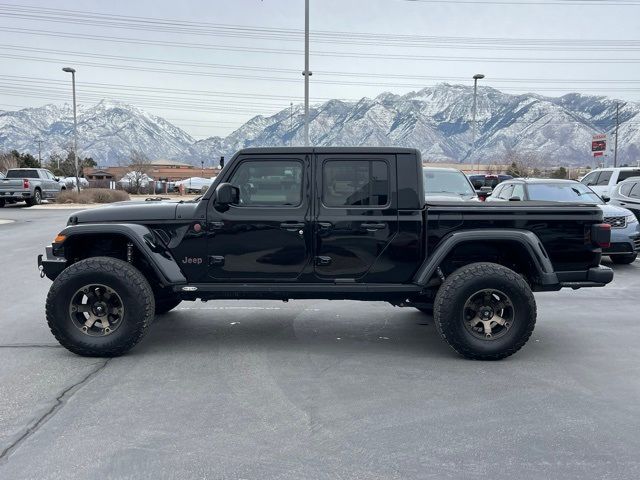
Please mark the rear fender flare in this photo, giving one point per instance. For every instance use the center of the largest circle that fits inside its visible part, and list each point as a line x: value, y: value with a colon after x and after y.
x: 525, y: 238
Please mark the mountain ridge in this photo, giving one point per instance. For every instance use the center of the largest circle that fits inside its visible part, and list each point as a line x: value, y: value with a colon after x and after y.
x: 436, y: 120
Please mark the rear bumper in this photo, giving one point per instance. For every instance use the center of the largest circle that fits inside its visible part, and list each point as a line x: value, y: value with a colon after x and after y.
x: 51, y: 265
x: 594, y: 277
x: 15, y: 195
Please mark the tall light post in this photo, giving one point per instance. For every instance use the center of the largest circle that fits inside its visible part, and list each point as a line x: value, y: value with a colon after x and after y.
x: 306, y: 73
x: 476, y: 77
x: 72, y: 71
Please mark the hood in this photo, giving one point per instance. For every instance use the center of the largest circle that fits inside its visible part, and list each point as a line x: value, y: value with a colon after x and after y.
x: 137, y: 211
x: 443, y: 197
x: 614, y: 211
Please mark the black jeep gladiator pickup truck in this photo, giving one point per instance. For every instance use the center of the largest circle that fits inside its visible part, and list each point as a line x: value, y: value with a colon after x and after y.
x: 326, y: 223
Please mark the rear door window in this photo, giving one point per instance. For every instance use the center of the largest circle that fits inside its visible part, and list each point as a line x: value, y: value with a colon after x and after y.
x: 356, y: 183
x: 624, y: 174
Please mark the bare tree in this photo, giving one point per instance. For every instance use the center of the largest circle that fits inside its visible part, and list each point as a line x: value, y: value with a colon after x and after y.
x: 523, y: 164
x: 7, y: 161
x: 138, y: 171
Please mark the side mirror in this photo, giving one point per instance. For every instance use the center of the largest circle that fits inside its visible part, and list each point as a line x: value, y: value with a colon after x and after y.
x: 227, y: 194
x: 605, y: 198
x: 515, y: 199
x: 57, y: 179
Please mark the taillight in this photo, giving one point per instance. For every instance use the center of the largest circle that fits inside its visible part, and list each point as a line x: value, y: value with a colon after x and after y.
x: 601, y: 235
x: 25, y: 183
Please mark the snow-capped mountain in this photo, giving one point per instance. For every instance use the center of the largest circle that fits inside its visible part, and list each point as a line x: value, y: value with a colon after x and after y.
x: 437, y: 120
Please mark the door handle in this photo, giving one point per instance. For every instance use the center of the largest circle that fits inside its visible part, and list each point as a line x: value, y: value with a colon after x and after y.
x: 292, y: 226
x: 324, y: 226
x: 372, y: 227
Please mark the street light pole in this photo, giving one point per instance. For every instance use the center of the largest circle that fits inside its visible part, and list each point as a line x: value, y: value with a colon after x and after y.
x: 476, y: 77
x: 306, y: 73
x: 72, y: 71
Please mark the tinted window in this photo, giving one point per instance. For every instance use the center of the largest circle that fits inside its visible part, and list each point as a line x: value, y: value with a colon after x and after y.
x: 269, y: 183
x: 635, y: 191
x: 23, y: 174
x: 563, y: 192
x: 590, y: 179
x: 604, y: 177
x: 445, y: 181
x: 624, y: 174
x: 355, y: 183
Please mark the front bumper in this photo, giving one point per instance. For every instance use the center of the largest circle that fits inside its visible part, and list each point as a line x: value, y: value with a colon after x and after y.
x: 51, y: 265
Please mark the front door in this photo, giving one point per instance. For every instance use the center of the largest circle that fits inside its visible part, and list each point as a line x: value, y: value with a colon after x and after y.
x: 267, y: 235
x: 356, y: 214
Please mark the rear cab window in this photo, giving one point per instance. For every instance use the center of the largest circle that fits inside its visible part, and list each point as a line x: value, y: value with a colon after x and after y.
x: 31, y: 173
x: 624, y: 174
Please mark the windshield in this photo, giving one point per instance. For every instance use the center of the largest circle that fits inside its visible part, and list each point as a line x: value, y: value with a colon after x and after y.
x: 443, y: 182
x: 563, y: 192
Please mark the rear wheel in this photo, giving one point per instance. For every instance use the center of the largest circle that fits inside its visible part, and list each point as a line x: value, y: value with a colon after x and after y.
x: 37, y: 198
x: 485, y: 311
x: 100, y: 307
x: 624, y: 259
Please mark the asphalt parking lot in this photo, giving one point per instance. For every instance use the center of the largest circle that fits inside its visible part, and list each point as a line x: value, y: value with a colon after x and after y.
x: 315, y: 389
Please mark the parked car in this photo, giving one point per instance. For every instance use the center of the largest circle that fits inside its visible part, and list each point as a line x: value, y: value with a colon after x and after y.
x: 487, y: 180
x: 447, y: 184
x: 31, y: 185
x: 603, y: 180
x: 625, y: 229
x: 627, y: 195
x: 194, y: 184
x: 69, y: 183
x: 320, y: 223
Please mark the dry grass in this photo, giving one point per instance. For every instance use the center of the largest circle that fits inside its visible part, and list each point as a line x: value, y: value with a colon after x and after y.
x: 92, y: 195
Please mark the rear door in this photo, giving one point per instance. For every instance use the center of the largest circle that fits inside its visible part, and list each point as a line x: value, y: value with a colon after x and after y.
x: 356, y: 214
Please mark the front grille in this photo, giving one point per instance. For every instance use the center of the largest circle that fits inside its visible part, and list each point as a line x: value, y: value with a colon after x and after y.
x: 616, y: 222
x: 636, y: 244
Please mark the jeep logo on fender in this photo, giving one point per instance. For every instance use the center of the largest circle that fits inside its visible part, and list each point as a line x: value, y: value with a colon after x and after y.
x: 193, y: 260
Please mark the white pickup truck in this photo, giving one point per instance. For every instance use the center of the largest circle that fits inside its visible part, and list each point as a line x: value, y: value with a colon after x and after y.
x: 30, y: 185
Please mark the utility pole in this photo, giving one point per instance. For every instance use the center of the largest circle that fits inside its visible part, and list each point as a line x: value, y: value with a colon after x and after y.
x: 72, y: 71
x: 476, y: 77
x: 39, y: 151
x: 615, y: 152
x: 306, y: 73
x: 291, y: 124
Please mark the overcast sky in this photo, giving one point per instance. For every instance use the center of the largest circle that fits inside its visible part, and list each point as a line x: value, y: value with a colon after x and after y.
x: 196, y: 86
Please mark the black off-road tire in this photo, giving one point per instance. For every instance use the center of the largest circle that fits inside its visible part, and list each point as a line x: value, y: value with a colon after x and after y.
x: 166, y: 304
x: 624, y: 259
x: 127, y: 281
x: 460, y: 286
x: 36, y: 200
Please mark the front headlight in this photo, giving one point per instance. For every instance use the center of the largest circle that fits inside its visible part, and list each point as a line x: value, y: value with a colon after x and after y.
x: 631, y: 219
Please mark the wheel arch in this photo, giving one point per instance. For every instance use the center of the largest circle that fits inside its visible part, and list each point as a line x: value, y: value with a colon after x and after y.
x: 520, y: 250
x: 149, y: 253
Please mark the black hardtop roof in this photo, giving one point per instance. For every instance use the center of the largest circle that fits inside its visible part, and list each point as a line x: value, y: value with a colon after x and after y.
x: 327, y: 150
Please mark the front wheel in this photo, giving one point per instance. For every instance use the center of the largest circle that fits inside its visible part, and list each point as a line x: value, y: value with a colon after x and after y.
x: 100, y: 307
x: 624, y: 259
x: 485, y: 311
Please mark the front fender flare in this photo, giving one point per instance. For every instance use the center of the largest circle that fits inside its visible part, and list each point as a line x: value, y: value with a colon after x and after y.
x: 158, y: 256
x: 525, y: 238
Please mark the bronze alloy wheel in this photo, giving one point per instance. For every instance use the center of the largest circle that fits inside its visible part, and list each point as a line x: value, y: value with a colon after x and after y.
x: 488, y: 314
x: 96, y: 310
